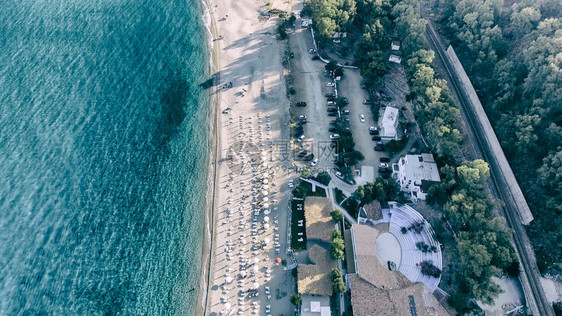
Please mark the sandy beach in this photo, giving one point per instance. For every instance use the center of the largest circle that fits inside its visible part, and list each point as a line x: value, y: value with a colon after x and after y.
x: 247, y: 221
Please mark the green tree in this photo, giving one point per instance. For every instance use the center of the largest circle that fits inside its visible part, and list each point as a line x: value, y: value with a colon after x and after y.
x: 473, y: 173
x: 336, y: 234
x: 323, y: 177
x: 337, y: 215
x: 339, y: 286
x: 337, y: 247
x: 524, y: 21
x: 335, y: 274
x: 296, y: 299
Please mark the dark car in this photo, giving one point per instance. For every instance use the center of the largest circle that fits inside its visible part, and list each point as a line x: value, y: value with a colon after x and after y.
x: 332, y: 129
x: 345, y: 112
x: 385, y: 170
x: 302, y: 153
x: 373, y: 132
x: 333, y: 122
x: 309, y: 157
x: 330, y: 95
x: 332, y: 99
x: 376, y: 138
x: 384, y: 159
x: 332, y: 110
x: 301, y: 103
x: 379, y: 148
x: 332, y: 114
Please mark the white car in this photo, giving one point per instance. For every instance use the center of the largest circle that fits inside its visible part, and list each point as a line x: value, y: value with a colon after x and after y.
x: 362, y: 118
x: 314, y: 162
x: 330, y: 84
x: 291, y: 185
x: 335, y: 136
x: 383, y: 165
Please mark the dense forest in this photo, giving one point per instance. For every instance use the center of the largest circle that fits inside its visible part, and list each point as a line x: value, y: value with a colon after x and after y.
x: 513, y: 54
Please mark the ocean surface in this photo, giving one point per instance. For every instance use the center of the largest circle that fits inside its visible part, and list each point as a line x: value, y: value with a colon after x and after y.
x: 103, y: 156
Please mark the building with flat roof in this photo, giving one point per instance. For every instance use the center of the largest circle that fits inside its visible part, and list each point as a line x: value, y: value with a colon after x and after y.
x: 315, y: 305
x: 389, y: 123
x: 416, y: 174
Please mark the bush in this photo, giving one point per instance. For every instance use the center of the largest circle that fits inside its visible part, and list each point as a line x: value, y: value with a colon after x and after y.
x: 292, y: 90
x: 428, y: 268
x: 337, y: 216
x: 281, y: 30
x: 296, y: 299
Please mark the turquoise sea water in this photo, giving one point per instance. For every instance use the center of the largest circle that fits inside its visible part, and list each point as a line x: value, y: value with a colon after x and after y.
x: 103, y: 156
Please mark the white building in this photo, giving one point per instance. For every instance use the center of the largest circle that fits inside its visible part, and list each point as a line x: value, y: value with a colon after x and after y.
x: 389, y: 123
x: 416, y: 173
x: 315, y: 305
x: 395, y: 59
x: 395, y: 45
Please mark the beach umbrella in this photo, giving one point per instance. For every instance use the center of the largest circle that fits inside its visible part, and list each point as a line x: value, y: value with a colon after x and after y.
x: 243, y: 241
x: 256, y: 268
x: 256, y: 285
x: 266, y: 205
x: 227, y: 306
x: 266, y: 212
x: 265, y: 181
x: 278, y: 260
x: 266, y: 219
x: 265, y: 187
x: 243, y: 273
x: 264, y: 193
x: 266, y: 241
x: 256, y: 260
x: 228, y: 280
x: 264, y: 153
x: 265, y: 199
x: 266, y: 226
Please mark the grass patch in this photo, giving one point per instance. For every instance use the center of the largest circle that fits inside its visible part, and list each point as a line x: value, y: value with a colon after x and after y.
x: 297, y: 214
x: 304, y: 189
x: 339, y: 195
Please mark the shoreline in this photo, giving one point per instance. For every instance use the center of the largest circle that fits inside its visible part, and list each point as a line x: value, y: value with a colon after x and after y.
x: 207, y: 249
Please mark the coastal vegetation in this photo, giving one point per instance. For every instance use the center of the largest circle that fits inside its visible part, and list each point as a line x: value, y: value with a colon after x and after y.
x: 512, y: 55
x: 337, y: 216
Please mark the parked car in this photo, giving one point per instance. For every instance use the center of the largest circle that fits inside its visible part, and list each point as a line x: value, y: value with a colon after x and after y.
x: 335, y: 136
x: 309, y: 157
x: 332, y: 114
x: 345, y: 112
x: 373, y: 128
x: 373, y: 132
x: 366, y: 101
x: 332, y: 129
x: 376, y: 137
x: 362, y: 118
x: 384, y: 159
x: 226, y: 111
x: 301, y: 103
x: 314, y: 162
x: 383, y: 165
x: 302, y: 153
x: 379, y: 148
x: 332, y: 110
x: 331, y: 103
x: 330, y: 84
x: 339, y: 175
x: 330, y: 95
x: 333, y: 122
x: 302, y: 117
x: 332, y: 99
